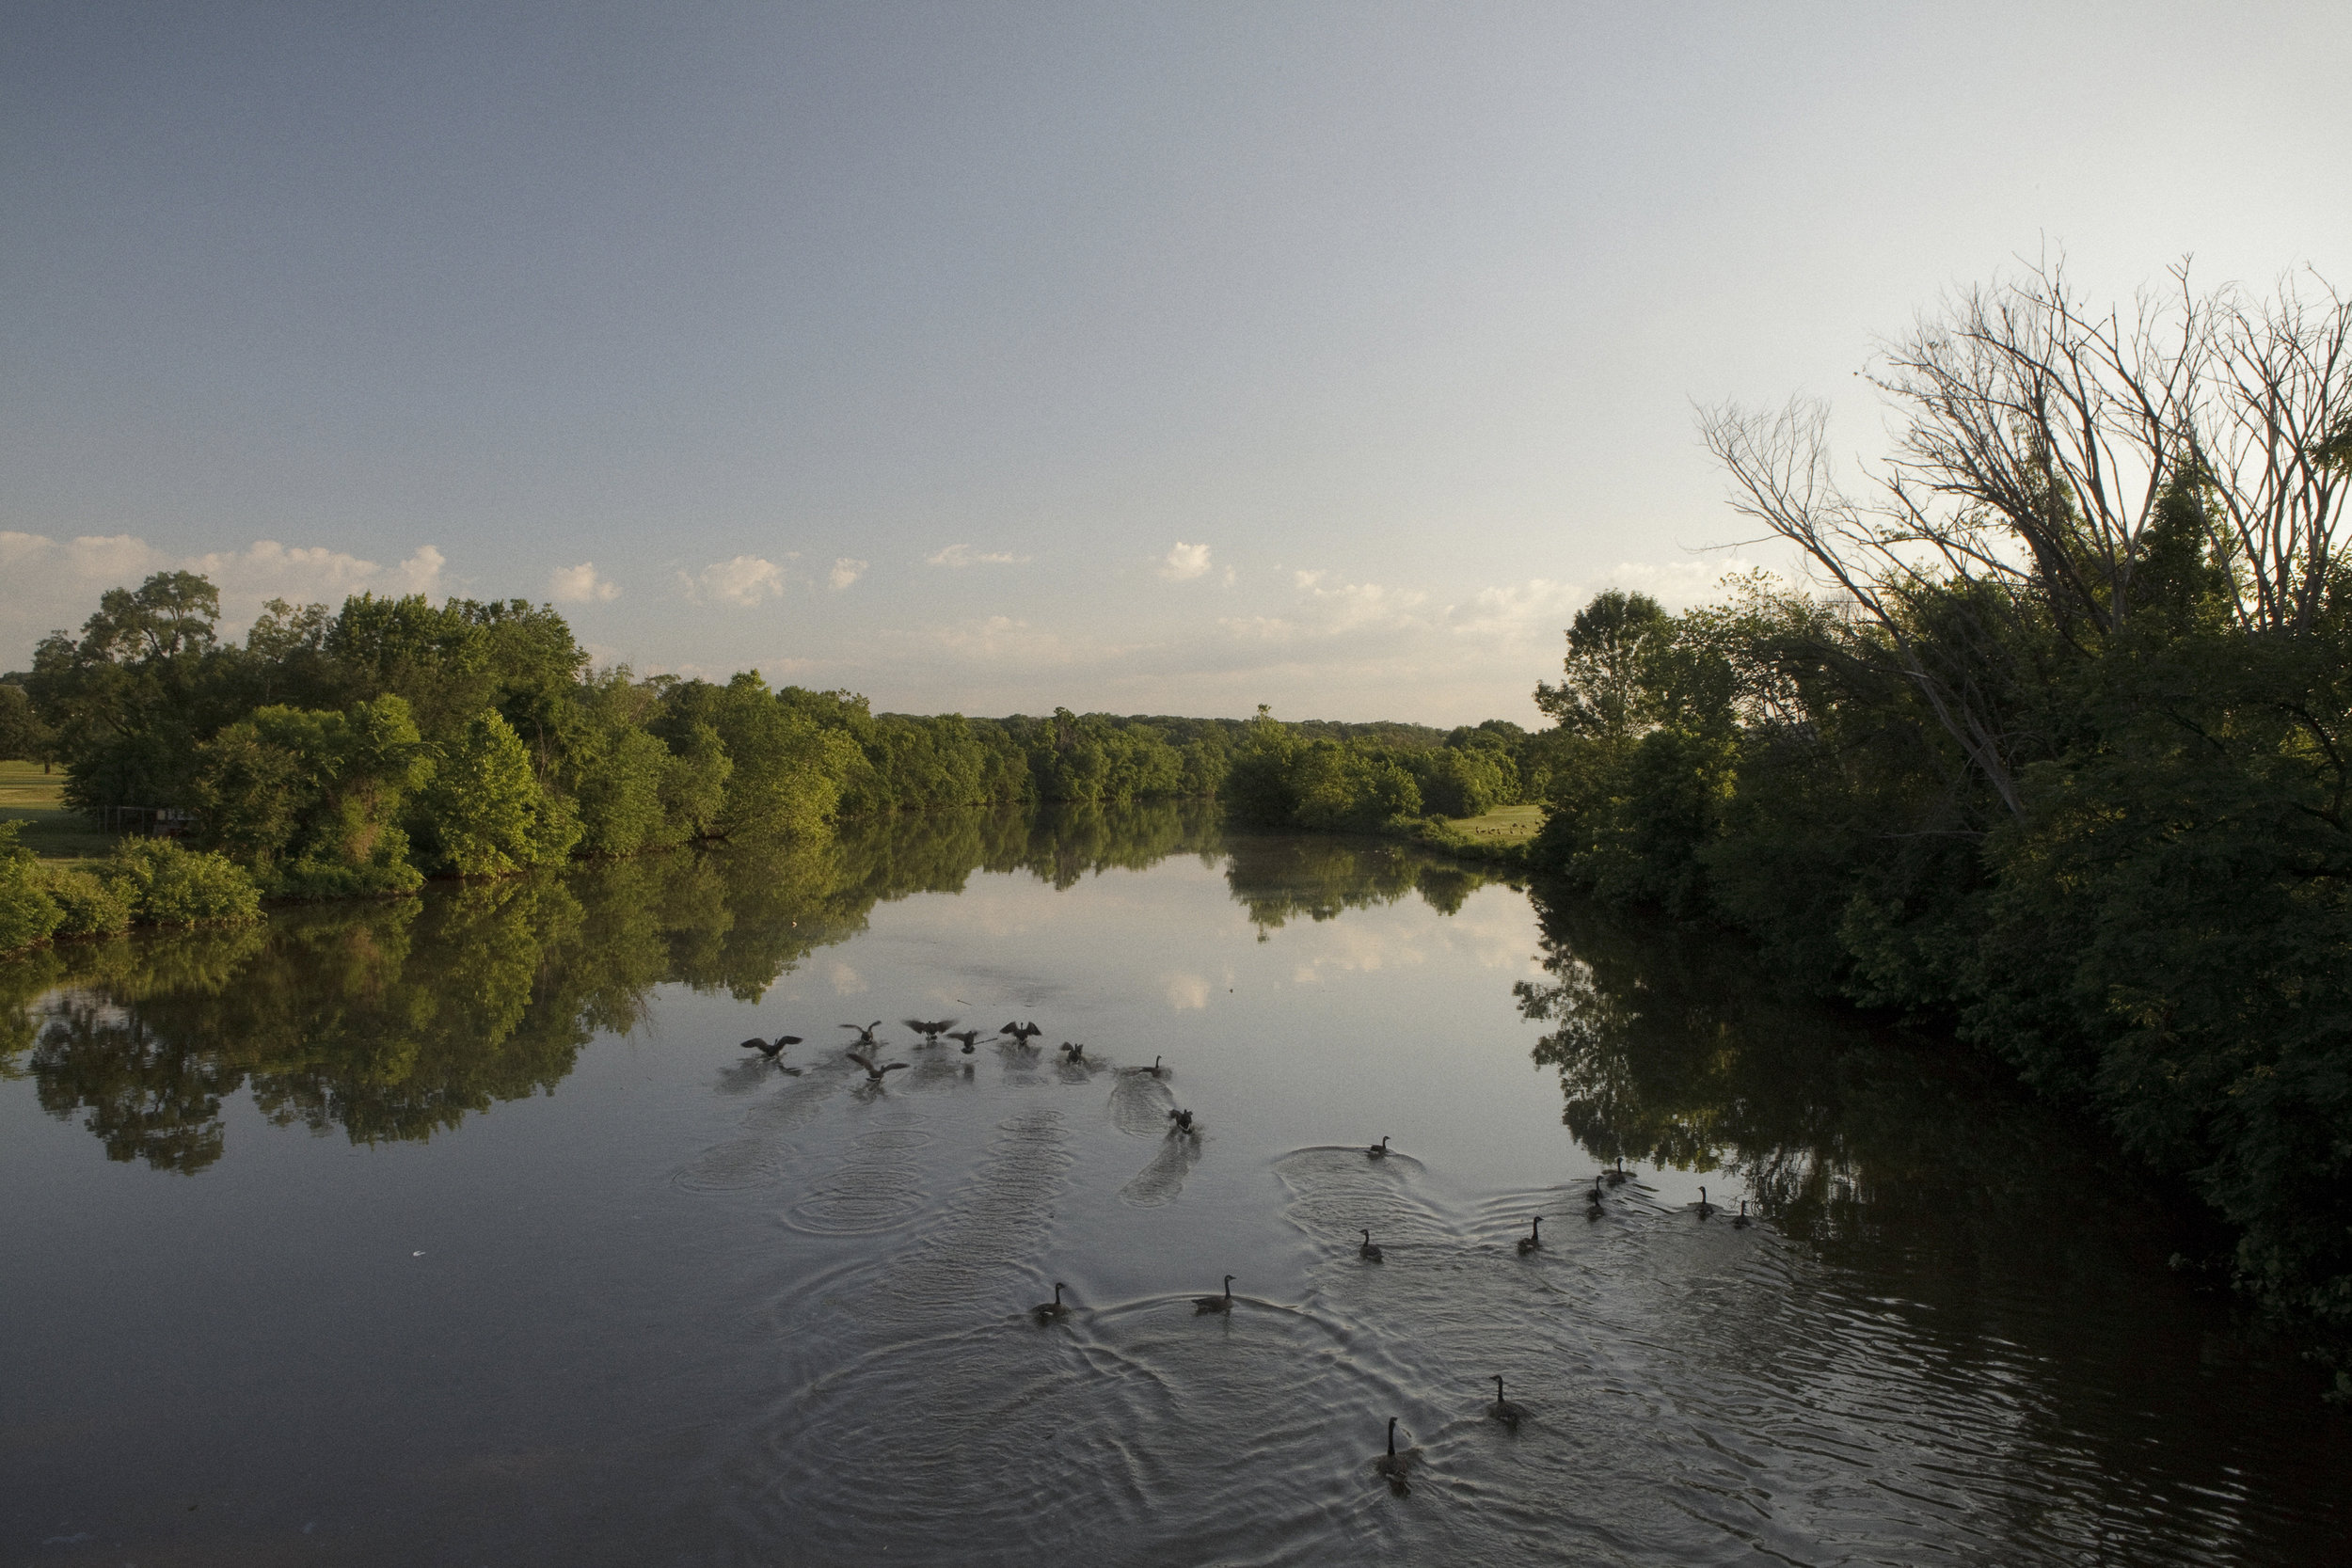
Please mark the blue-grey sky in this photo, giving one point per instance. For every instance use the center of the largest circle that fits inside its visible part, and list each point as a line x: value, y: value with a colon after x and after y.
x: 1159, y: 358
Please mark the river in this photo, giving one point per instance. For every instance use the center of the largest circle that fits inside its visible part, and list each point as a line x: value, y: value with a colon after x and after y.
x: 461, y: 1229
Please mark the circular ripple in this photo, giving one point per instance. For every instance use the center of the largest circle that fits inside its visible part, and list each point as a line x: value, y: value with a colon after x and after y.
x: 878, y: 1187
x: 730, y: 1167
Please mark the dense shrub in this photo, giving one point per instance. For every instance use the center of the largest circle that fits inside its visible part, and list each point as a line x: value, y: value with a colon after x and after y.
x: 164, y: 885
x: 28, y: 915
x: 87, y: 905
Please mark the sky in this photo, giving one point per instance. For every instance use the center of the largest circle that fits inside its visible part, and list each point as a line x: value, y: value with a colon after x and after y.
x: 1168, y: 358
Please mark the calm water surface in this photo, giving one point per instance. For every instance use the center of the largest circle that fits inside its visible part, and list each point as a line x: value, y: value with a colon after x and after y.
x: 460, y: 1230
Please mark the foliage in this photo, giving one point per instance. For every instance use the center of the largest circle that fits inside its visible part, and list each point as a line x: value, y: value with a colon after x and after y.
x: 23, y: 735
x: 164, y: 884
x: 2065, y: 763
x: 351, y: 750
x: 1304, y: 776
x: 486, y: 812
x: 87, y: 905
x: 29, y: 915
x: 310, y: 800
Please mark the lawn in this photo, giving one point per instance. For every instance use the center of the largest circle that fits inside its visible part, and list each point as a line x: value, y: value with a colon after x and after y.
x: 31, y: 797
x: 1503, y: 825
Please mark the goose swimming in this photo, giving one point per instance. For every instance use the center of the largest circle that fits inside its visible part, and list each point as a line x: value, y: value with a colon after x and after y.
x: 1046, y: 1311
x: 1369, y: 1253
x: 1379, y: 1150
x: 1704, y: 1208
x: 1740, y: 1220
x: 1533, y: 1240
x: 1503, y: 1410
x: 1394, y: 1464
x: 1215, y: 1304
x: 1620, y: 1176
x: 874, y: 1074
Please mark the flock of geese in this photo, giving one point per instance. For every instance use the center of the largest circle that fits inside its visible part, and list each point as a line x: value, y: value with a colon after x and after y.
x: 1395, y: 1465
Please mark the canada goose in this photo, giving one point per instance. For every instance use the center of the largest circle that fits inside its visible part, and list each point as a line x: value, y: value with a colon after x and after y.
x: 1593, y: 1210
x: 1025, y: 1033
x: 930, y: 1028
x: 1740, y: 1220
x: 1379, y: 1150
x: 1394, y: 1464
x: 873, y: 1074
x: 1214, y: 1304
x: 770, y: 1048
x: 1184, y: 1124
x: 1369, y: 1253
x: 964, y: 1038
x: 1619, y: 1176
x: 865, y: 1031
x: 1704, y: 1208
x: 1072, y: 1052
x: 1046, y: 1311
x: 1533, y: 1240
x: 1501, y: 1410
x: 1155, y: 1070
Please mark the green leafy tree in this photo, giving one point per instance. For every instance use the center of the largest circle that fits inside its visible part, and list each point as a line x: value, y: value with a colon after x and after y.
x: 23, y: 735
x: 485, y: 811
x: 786, y: 771
x: 312, y: 801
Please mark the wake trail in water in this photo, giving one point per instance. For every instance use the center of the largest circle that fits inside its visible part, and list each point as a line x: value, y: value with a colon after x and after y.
x: 758, y: 1157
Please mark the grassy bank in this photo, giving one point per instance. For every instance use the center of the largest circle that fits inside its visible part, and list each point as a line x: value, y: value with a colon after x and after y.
x: 1499, y: 836
x: 59, y: 836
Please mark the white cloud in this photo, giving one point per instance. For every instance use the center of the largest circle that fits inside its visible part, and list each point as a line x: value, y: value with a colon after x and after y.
x: 1678, y: 584
x: 581, y: 585
x: 1184, y: 562
x: 56, y: 584
x: 746, y: 580
x: 1517, y: 609
x: 1004, y: 636
x: 1186, y: 992
x: 963, y: 555
x: 845, y: 572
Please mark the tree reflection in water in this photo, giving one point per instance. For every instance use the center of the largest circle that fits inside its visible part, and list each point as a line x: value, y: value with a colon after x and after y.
x: 395, y: 1019
x: 1283, y: 876
x: 1675, y: 1048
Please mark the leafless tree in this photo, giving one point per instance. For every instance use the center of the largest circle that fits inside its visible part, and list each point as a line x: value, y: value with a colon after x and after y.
x: 2040, y: 439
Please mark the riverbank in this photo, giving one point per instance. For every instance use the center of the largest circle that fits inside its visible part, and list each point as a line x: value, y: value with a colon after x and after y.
x: 59, y: 835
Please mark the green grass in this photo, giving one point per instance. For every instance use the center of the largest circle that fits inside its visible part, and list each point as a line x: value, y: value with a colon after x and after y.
x: 33, y: 797
x: 1503, y: 825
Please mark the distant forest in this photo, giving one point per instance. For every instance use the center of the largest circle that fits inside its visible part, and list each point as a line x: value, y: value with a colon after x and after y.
x: 357, y: 752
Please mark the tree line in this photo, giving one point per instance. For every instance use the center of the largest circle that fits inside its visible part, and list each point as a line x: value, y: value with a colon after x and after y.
x: 356, y: 751
x: 2059, y: 750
